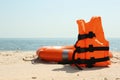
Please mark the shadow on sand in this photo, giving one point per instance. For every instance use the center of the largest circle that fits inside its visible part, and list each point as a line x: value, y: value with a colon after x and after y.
x: 67, y: 68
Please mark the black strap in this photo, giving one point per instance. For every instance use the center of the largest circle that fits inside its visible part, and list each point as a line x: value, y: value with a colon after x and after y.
x: 84, y: 36
x: 91, y: 49
x: 73, y: 59
x: 89, y: 62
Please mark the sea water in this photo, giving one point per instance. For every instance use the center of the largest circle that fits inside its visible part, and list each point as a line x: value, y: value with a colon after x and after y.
x: 32, y: 44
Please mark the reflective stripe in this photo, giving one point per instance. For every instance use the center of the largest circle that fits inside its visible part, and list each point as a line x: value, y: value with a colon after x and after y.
x: 65, y: 55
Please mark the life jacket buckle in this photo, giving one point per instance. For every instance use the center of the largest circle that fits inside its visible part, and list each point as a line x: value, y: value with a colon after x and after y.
x: 91, y: 34
x: 91, y: 48
x: 80, y: 61
x: 80, y: 50
x: 91, y: 62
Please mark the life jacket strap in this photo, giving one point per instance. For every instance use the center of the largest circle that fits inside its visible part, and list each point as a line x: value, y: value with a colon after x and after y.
x: 92, y: 60
x: 89, y: 62
x: 91, y: 49
x: 84, y: 36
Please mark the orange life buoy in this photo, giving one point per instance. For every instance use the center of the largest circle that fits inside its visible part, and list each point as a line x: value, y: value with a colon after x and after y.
x: 91, y: 48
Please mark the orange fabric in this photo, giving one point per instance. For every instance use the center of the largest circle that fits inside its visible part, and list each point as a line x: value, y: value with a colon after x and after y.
x: 95, y: 26
x: 55, y: 54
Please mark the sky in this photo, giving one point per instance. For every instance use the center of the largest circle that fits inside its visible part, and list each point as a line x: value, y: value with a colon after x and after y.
x: 55, y: 18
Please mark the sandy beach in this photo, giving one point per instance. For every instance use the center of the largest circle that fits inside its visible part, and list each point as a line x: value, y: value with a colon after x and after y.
x: 13, y: 66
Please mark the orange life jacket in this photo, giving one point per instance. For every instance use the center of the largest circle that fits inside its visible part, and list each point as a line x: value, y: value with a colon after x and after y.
x: 91, y: 48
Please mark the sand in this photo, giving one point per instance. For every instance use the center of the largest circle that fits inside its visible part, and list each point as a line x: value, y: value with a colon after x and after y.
x: 13, y: 66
